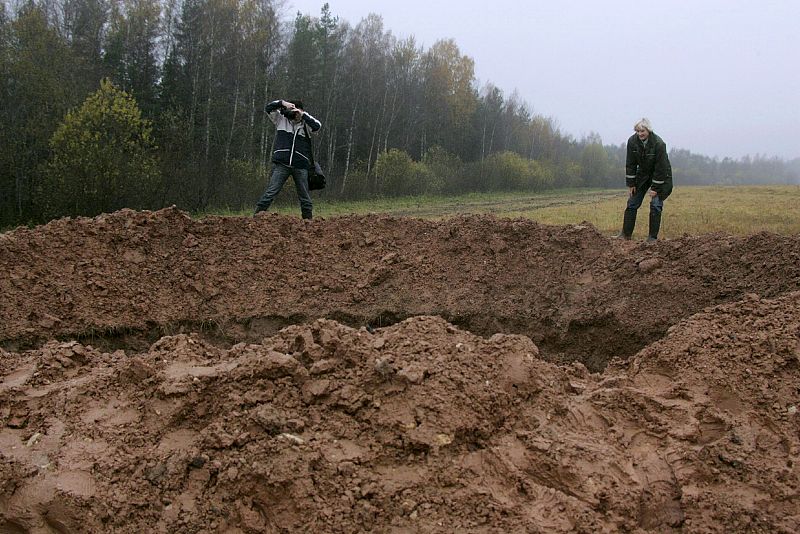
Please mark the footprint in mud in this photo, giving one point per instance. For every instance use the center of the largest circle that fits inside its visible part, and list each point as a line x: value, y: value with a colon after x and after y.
x: 660, y: 506
x: 711, y: 428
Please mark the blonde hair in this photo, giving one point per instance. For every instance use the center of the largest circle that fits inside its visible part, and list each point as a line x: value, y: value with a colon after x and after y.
x: 643, y: 123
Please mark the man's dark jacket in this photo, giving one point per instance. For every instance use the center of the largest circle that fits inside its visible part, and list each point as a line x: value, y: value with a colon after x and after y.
x: 647, y: 165
x: 292, y: 147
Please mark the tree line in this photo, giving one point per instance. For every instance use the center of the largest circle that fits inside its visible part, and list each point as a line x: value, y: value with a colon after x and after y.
x: 148, y: 103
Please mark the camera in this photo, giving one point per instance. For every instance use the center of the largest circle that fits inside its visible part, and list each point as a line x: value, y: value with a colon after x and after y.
x: 291, y: 114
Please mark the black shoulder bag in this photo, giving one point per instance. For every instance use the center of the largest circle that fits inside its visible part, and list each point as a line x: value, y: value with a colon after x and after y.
x: 316, y: 178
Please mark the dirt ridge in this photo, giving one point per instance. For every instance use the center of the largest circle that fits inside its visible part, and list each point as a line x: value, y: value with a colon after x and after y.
x: 568, y: 288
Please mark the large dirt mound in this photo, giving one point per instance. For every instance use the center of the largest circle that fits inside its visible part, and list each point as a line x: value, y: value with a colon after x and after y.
x: 577, y: 294
x: 394, y: 375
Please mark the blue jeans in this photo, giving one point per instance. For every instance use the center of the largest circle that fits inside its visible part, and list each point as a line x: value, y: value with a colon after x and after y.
x: 634, y: 202
x: 281, y: 173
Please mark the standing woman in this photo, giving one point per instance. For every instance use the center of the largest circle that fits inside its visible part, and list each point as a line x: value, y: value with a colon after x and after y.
x: 647, y: 171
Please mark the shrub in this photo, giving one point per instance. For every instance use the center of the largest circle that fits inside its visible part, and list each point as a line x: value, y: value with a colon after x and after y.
x: 355, y: 186
x: 509, y: 171
x: 101, y: 158
x: 244, y: 183
x: 398, y: 175
x: 446, y: 169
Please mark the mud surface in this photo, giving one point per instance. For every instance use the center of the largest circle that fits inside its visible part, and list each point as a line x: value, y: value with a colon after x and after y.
x: 383, y: 374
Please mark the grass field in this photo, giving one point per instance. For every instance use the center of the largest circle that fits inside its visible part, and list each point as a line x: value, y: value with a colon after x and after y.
x: 689, y: 210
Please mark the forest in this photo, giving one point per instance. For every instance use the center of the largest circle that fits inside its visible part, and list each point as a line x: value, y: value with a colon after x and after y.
x: 143, y: 104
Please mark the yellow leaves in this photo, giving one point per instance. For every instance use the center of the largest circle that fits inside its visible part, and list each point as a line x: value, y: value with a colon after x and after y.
x: 451, y: 75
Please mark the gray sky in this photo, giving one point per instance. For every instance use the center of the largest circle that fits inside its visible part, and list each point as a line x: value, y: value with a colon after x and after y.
x: 717, y: 77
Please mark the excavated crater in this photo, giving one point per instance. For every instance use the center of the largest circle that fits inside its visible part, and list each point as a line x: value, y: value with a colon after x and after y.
x: 375, y: 373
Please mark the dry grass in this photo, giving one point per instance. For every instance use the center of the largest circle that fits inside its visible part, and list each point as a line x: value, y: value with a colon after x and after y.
x: 735, y: 210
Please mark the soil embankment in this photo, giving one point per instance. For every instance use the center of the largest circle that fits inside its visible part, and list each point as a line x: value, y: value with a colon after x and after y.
x: 371, y: 373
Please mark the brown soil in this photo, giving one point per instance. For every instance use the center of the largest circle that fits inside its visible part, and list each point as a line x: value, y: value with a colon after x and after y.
x: 384, y: 374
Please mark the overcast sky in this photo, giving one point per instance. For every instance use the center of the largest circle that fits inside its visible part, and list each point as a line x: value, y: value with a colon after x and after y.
x: 717, y: 77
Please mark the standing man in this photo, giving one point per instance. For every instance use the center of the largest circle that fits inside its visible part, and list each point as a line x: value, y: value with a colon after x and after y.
x: 647, y: 171
x: 292, y: 153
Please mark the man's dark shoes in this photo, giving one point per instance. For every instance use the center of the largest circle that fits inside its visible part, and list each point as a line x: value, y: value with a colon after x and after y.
x: 622, y: 235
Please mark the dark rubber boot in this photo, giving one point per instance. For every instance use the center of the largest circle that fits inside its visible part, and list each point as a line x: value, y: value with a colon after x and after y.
x: 655, y: 224
x: 628, y: 223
